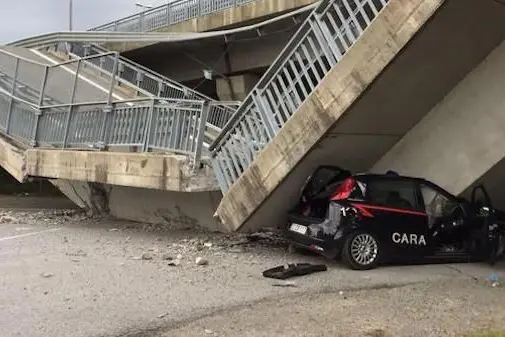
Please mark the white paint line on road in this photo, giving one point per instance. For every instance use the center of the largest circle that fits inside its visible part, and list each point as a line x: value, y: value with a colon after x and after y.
x: 6, y: 238
x: 87, y: 80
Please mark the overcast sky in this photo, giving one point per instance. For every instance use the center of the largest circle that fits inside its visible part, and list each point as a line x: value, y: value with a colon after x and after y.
x: 23, y: 18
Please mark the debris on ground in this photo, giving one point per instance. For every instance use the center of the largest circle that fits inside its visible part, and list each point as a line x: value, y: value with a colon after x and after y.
x: 201, y: 261
x: 376, y: 333
x: 47, y: 275
x: 79, y: 253
x: 494, y: 280
x: 147, y: 256
x: 286, y: 284
x: 167, y: 257
x: 293, y: 270
x: 7, y: 219
x: 163, y: 315
x: 174, y: 263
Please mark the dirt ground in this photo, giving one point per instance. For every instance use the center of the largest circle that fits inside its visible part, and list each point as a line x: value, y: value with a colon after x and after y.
x: 63, y: 274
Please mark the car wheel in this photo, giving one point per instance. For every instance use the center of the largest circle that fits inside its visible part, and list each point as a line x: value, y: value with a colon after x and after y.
x: 361, y: 251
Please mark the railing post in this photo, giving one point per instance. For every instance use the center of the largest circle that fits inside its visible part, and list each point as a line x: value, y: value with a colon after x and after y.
x: 141, y: 22
x: 268, y: 119
x: 38, y: 114
x: 139, y: 78
x: 115, y: 68
x: 323, y: 36
x: 148, y: 127
x: 108, y: 110
x: 204, y: 114
x: 169, y: 10
x: 71, y: 105
x: 221, y: 181
x: 106, y: 125
x: 13, y: 92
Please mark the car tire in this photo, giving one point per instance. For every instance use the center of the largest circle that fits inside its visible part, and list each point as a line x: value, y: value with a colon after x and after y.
x: 361, y: 250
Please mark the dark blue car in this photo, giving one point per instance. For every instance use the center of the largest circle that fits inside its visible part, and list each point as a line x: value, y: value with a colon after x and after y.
x: 368, y: 219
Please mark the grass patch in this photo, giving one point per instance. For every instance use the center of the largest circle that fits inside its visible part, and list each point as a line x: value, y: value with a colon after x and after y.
x: 486, y: 334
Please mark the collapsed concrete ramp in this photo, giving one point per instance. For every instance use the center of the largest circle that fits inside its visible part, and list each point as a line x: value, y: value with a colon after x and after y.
x: 356, y: 78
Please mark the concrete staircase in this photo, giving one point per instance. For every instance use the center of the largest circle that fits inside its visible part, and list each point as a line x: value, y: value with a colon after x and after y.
x: 350, y: 85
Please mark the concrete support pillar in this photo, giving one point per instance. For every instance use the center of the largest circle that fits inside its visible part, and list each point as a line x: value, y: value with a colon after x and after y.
x: 462, y: 137
x: 235, y: 88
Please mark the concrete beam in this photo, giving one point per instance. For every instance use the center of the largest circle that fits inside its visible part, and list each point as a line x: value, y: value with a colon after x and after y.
x: 225, y: 19
x: 384, y: 85
x: 162, y: 172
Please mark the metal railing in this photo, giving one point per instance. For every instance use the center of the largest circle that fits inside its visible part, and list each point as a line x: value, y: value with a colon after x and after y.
x: 168, y: 14
x: 53, y: 106
x: 319, y: 44
x: 154, y: 84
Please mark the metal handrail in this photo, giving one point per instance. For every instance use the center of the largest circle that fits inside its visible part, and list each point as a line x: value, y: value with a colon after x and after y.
x: 168, y: 14
x: 150, y: 123
x: 318, y: 45
x: 151, y: 83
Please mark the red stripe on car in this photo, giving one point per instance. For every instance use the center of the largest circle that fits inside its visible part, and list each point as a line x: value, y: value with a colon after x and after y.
x: 364, y: 208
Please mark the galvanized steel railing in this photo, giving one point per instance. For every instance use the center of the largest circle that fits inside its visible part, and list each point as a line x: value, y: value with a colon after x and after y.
x: 53, y: 106
x: 168, y: 14
x: 146, y: 81
x: 324, y: 38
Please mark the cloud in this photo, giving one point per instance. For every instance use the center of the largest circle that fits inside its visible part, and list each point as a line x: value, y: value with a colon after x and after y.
x: 24, y: 18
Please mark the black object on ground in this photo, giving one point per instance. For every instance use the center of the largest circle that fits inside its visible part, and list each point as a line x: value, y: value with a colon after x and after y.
x: 293, y: 270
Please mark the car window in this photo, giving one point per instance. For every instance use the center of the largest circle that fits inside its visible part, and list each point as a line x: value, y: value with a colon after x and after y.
x: 321, y: 178
x: 393, y: 193
x: 437, y: 204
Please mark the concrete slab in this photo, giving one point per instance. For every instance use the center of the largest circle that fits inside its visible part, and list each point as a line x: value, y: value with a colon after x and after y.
x: 152, y: 188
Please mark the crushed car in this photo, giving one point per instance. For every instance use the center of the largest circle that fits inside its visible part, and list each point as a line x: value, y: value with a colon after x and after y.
x: 372, y: 219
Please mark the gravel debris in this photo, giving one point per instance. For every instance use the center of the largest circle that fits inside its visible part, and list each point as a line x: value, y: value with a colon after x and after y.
x: 201, y: 261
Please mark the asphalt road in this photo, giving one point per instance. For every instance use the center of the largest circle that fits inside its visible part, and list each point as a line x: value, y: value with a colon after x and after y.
x: 67, y: 276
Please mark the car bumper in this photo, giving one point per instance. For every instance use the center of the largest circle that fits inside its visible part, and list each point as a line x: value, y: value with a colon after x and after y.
x: 326, y: 247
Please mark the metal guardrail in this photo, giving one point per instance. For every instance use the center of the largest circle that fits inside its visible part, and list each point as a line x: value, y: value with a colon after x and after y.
x: 319, y: 44
x: 152, y: 123
x: 168, y: 14
x: 149, y: 82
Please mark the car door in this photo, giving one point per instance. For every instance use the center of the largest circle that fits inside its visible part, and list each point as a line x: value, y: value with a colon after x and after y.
x: 445, y: 218
x: 398, y: 216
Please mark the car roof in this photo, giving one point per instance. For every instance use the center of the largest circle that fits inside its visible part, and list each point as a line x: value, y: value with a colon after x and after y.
x: 368, y: 176
x: 392, y: 176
